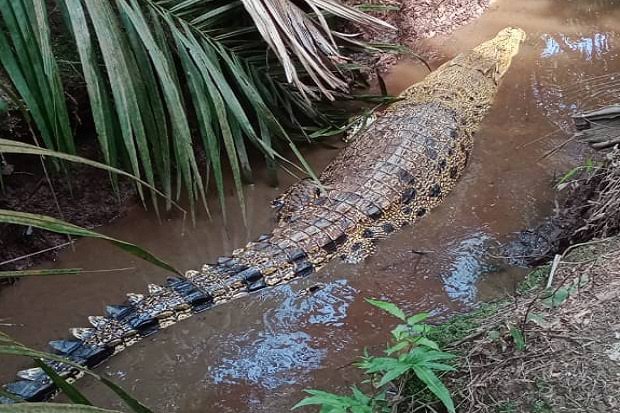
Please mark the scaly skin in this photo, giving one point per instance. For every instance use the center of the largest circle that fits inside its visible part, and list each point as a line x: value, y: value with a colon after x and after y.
x: 395, y: 171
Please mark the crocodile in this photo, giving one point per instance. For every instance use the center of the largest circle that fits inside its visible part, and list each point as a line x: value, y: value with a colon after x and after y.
x: 391, y: 175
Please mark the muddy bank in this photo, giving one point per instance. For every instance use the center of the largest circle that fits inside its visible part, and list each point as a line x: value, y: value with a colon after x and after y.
x: 82, y: 195
x: 587, y: 207
x: 553, y: 345
x: 416, y: 20
x: 85, y: 197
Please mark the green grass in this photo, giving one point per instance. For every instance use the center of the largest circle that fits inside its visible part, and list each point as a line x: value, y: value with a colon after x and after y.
x: 463, y: 325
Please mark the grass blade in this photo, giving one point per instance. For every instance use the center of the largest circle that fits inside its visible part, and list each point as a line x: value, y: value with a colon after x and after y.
x: 39, y: 273
x: 134, y: 404
x: 61, y: 227
x: 10, y: 146
x: 101, y: 106
x: 10, y: 347
x: 72, y: 393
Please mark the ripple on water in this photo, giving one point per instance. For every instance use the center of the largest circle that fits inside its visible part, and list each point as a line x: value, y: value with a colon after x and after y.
x: 282, y: 351
x: 467, y: 266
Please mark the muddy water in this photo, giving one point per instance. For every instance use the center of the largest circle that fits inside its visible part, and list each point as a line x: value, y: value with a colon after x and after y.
x: 259, y: 353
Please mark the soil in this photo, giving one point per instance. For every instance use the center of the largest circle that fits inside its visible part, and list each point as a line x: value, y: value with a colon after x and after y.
x: 415, y: 20
x: 554, y: 349
x: 587, y: 207
x: 85, y: 195
x: 85, y: 198
x: 553, y: 346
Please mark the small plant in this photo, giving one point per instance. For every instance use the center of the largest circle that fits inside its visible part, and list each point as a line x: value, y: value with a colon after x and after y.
x: 410, y: 358
x: 357, y: 403
x: 587, y: 168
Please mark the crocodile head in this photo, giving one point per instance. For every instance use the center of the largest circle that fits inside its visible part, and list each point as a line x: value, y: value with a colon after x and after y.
x: 493, y: 57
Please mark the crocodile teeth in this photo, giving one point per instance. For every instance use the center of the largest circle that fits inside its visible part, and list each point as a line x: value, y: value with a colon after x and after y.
x: 82, y: 333
x: 30, y: 374
x: 97, y: 320
x: 134, y: 298
x: 155, y: 289
x: 64, y: 346
x: 114, y: 311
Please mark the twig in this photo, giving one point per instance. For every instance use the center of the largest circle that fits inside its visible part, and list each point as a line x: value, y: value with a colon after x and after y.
x: 36, y: 253
x: 554, y: 267
x: 557, y: 148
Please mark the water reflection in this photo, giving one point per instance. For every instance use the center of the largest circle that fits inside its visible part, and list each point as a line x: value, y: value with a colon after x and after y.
x: 282, y: 352
x: 467, y: 266
x: 272, y: 360
x: 573, y: 89
x: 593, y: 47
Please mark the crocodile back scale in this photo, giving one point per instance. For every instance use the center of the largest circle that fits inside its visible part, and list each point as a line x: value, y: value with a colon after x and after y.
x: 395, y: 171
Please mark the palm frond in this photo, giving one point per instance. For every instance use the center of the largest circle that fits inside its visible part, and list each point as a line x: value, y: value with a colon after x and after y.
x: 61, y: 227
x: 26, y: 56
x: 165, y: 77
x: 11, y: 347
x: 295, y: 35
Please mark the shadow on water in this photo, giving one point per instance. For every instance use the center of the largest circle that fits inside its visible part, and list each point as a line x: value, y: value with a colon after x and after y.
x: 259, y: 353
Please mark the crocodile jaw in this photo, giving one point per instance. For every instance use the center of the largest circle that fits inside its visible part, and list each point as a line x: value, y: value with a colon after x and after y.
x: 494, y: 57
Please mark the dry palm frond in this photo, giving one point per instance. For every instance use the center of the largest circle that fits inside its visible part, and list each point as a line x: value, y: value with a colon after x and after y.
x: 292, y: 32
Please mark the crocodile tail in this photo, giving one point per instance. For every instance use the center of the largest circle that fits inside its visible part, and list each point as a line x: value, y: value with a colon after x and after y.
x: 122, y: 326
x: 142, y: 315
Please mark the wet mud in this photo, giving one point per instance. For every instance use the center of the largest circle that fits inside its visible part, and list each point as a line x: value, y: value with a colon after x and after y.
x: 259, y: 353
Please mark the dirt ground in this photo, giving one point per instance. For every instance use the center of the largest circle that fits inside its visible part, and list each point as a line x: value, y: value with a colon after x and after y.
x: 553, y: 347
x: 85, y: 197
x: 415, y: 20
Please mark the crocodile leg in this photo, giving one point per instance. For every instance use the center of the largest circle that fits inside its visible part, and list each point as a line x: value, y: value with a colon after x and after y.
x: 296, y: 197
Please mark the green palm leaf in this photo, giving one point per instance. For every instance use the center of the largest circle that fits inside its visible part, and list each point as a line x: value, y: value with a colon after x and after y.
x: 61, y: 227
x: 52, y: 408
x: 165, y: 77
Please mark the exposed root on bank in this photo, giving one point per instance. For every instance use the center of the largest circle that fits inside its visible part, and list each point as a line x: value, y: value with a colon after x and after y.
x: 604, y: 210
x: 589, y: 207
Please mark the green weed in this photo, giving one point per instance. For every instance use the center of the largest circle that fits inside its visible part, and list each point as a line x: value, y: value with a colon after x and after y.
x: 410, y: 358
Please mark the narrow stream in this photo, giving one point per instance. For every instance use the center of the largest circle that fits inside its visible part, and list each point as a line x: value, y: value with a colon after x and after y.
x: 259, y: 353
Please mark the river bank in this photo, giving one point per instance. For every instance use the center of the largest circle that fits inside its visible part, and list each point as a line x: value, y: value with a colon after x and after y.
x: 554, y: 344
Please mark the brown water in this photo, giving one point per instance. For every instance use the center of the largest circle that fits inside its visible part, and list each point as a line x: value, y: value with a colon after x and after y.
x: 259, y: 353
